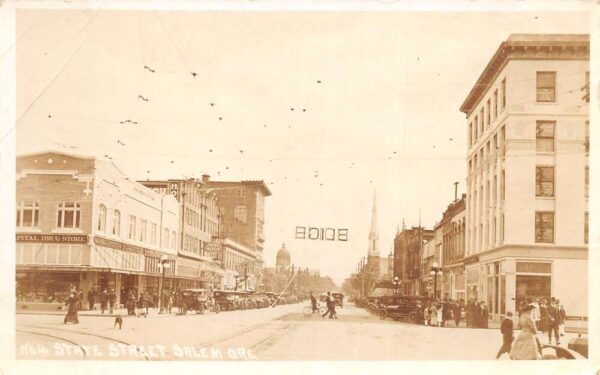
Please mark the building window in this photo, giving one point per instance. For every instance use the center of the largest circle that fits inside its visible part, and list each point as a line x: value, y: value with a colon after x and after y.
x: 240, y: 213
x: 502, y: 185
x: 544, y: 181
x: 587, y: 137
x: 102, y: 218
x: 586, y: 228
x: 481, y: 120
x: 28, y: 214
x: 69, y: 215
x: 476, y: 123
x: 143, y: 228
x: 116, y: 229
x: 241, y: 193
x: 489, y: 112
x: 544, y: 140
x: 587, y: 181
x: 546, y: 87
x: 470, y: 134
x: 495, y: 104
x: 153, y: 233
x: 586, y: 88
x: 174, y: 240
x: 132, y: 227
x: 544, y: 227
x: 504, y: 93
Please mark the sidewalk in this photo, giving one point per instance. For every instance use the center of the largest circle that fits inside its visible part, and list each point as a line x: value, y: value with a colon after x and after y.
x: 571, y: 326
x: 121, y: 312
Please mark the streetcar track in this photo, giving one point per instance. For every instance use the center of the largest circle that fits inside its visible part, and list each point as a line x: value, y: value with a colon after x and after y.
x: 87, y: 334
x: 274, y: 337
x: 55, y: 337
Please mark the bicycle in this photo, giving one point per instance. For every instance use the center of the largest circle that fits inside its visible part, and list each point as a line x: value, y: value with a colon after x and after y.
x: 308, y: 310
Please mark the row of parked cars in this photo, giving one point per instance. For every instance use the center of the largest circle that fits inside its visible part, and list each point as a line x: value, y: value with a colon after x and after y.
x: 200, y: 300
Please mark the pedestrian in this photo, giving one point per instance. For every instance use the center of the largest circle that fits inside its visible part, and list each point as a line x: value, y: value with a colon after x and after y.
x: 313, y: 303
x: 419, y: 313
x: 72, y: 302
x: 476, y: 315
x: 91, y: 297
x: 484, y: 316
x: 457, y: 312
x: 535, y: 313
x: 552, y: 323
x: 328, y: 305
x: 427, y: 315
x: 440, y: 314
x: 543, y: 316
x: 434, y: 315
x: 103, y: 300
x: 112, y: 298
x: 507, y: 330
x: 446, y: 311
x: 526, y: 345
x: 563, y: 318
x: 80, y: 296
x: 169, y: 303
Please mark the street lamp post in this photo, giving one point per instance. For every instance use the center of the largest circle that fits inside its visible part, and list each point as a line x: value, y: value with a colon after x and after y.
x: 435, y: 269
x: 163, y: 265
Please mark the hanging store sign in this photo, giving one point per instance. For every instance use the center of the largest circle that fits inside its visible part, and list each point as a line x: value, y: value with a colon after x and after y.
x: 323, y: 234
x: 53, y: 238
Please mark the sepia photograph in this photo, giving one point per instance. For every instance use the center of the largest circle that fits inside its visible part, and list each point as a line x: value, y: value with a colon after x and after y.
x: 242, y: 185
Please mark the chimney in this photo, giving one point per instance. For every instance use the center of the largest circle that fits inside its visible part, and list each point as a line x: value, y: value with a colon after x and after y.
x: 205, y: 178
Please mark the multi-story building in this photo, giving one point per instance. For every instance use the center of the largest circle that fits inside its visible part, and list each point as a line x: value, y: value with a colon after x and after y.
x: 408, y: 246
x: 241, y: 205
x: 429, y: 256
x: 199, y: 226
x: 82, y: 223
x: 452, y: 229
x: 527, y: 199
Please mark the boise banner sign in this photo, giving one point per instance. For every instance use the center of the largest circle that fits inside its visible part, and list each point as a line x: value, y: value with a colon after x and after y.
x: 327, y: 234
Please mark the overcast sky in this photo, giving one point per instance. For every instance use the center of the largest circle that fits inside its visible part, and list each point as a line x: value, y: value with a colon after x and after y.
x: 384, y: 115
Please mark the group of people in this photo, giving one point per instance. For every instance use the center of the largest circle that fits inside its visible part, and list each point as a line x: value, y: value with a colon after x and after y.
x: 448, y: 312
x: 107, y: 298
x: 534, y: 316
x: 329, y: 303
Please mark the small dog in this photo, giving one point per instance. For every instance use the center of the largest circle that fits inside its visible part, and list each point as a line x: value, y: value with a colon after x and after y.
x: 142, y: 313
x: 119, y: 321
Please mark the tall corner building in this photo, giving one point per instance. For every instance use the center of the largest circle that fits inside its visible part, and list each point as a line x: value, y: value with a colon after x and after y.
x: 528, y: 145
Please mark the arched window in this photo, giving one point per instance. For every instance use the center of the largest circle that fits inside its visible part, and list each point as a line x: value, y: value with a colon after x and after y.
x: 116, y: 229
x: 102, y: 218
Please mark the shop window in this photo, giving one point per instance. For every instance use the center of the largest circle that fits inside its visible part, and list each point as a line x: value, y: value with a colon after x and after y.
x: 28, y: 214
x: 69, y: 215
x: 544, y: 140
x: 544, y: 181
x: 532, y: 286
x: 544, y: 227
x: 546, y: 86
x: 116, y: 229
x: 101, y: 218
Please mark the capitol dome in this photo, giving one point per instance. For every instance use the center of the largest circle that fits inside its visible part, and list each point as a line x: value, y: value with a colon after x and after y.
x: 284, y: 260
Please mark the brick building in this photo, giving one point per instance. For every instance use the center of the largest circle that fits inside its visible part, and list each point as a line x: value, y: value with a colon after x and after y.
x: 408, y: 246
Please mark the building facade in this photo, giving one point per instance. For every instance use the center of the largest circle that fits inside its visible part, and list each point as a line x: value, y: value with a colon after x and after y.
x: 199, y: 226
x: 527, y: 199
x: 82, y: 223
x: 408, y: 246
x: 241, y: 205
x: 452, y: 227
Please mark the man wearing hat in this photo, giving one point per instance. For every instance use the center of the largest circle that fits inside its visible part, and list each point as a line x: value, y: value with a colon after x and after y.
x: 507, y: 330
x: 552, y: 322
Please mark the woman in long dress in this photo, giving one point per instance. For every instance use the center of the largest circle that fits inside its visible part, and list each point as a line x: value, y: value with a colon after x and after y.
x: 72, y: 311
x: 434, y: 315
x: 525, y: 346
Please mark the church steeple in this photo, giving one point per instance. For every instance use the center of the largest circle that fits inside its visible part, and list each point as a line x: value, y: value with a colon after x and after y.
x: 374, y: 233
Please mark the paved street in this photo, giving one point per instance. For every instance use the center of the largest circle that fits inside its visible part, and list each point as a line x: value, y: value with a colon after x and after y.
x: 280, y: 333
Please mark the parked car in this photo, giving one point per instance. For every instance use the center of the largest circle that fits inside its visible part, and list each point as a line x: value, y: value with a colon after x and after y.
x: 338, y: 299
x: 400, y: 307
x: 226, y: 299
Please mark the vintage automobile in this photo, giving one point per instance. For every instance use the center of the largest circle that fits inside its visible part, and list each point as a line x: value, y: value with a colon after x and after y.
x: 557, y: 352
x: 198, y: 300
x: 338, y: 299
x: 400, y: 307
x: 226, y: 299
